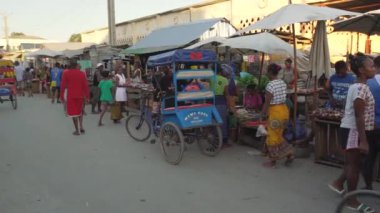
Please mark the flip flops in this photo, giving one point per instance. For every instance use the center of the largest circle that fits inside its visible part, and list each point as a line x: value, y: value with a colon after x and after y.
x: 333, y: 188
x: 363, y: 208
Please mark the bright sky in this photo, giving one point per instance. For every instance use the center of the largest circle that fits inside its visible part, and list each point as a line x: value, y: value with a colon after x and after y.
x: 58, y: 19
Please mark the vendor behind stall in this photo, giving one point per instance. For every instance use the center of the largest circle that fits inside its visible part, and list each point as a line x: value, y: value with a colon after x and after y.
x: 338, y: 84
x: 278, y: 115
x: 287, y: 74
x: 252, y: 98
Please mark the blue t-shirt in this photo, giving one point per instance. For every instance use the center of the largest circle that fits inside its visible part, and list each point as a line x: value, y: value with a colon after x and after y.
x: 56, y: 74
x: 340, y: 85
x: 374, y: 86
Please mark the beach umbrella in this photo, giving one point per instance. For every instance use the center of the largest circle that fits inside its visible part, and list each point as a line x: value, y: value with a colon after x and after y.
x: 367, y: 23
x: 262, y: 42
x: 297, y: 13
x: 319, y: 53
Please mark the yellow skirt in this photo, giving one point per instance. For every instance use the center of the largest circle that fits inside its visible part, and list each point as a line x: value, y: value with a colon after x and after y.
x: 116, y: 111
x: 278, y: 148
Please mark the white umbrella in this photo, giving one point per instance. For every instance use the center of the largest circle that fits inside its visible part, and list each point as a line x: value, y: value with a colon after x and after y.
x: 297, y: 13
x: 368, y: 23
x: 262, y: 42
x: 319, y: 53
x: 44, y: 52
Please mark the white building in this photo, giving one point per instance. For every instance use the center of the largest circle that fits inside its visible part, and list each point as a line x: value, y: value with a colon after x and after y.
x: 240, y: 13
x: 22, y: 42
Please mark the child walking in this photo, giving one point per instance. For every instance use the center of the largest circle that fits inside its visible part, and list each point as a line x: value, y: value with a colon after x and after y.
x: 28, y: 77
x: 106, y: 97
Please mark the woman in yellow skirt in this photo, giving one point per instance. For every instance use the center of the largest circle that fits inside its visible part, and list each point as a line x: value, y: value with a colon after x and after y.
x: 278, y: 115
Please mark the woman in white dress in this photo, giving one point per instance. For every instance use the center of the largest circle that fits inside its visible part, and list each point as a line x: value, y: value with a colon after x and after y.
x: 120, y: 95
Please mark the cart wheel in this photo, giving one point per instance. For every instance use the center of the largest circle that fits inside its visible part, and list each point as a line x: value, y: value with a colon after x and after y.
x: 138, y: 128
x: 172, y: 143
x: 13, y: 99
x: 210, y: 140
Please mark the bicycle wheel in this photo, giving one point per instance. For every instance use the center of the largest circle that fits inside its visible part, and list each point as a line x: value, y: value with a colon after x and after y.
x: 367, y: 197
x: 13, y: 99
x: 138, y: 128
x: 172, y: 143
x: 210, y: 140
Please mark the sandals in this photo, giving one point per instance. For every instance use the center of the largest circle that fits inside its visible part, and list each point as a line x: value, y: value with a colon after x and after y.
x: 82, y: 131
x: 76, y: 133
x: 270, y: 164
x: 289, y: 160
x: 363, y: 208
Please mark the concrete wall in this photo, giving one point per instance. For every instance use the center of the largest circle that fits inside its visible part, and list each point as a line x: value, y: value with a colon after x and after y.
x: 99, y: 36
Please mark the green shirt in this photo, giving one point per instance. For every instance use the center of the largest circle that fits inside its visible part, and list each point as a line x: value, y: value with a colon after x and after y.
x: 221, y: 83
x: 105, y: 90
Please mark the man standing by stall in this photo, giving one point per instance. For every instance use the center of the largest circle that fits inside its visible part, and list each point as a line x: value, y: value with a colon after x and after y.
x: 95, y: 91
x: 75, y: 82
x: 287, y: 73
x: 19, y: 77
x: 338, y: 84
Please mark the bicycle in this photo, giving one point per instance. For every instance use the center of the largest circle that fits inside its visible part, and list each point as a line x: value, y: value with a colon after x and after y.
x: 358, y: 194
x: 145, y: 120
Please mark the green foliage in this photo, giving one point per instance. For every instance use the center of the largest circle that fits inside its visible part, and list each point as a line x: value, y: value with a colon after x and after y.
x: 15, y: 34
x: 75, y: 38
x: 246, y: 80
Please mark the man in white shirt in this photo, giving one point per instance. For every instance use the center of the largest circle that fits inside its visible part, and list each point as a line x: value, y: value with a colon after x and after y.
x: 19, y: 77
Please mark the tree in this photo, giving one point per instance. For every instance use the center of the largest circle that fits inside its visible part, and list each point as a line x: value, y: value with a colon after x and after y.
x: 15, y: 34
x: 75, y: 38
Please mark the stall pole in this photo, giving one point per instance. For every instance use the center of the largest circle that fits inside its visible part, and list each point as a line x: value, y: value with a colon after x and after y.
x: 295, y: 105
x: 368, y: 45
x: 261, y: 67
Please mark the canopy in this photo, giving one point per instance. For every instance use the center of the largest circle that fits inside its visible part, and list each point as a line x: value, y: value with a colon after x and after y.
x: 263, y: 42
x: 182, y: 55
x: 44, y: 52
x: 72, y: 53
x: 296, y: 13
x: 368, y: 23
x: 319, y: 53
x: 175, y: 36
x: 208, y: 42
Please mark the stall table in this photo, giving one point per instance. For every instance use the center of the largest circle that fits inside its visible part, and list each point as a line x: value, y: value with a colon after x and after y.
x: 327, y: 147
x: 35, y: 86
x: 328, y: 150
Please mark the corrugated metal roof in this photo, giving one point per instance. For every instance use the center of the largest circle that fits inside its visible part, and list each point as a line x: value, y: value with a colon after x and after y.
x: 172, y: 37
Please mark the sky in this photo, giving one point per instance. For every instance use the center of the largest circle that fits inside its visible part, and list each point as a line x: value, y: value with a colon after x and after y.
x: 58, y: 19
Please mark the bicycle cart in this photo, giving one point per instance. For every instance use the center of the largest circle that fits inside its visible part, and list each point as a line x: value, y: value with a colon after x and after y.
x: 8, y: 89
x: 186, y: 116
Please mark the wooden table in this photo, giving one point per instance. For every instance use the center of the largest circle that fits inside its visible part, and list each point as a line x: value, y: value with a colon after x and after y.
x: 328, y: 150
x: 247, y: 136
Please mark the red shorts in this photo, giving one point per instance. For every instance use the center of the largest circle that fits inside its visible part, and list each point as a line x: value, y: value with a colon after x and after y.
x: 75, y: 107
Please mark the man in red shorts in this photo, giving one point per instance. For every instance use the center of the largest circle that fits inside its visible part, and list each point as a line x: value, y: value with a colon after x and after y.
x: 75, y: 82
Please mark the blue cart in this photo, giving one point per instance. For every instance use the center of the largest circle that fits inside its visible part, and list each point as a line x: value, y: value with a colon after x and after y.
x: 186, y: 115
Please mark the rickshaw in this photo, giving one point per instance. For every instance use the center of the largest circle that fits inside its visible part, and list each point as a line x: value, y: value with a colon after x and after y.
x: 8, y: 88
x: 192, y: 116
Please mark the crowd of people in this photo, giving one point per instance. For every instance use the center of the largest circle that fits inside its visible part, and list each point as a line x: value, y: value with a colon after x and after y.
x: 355, y: 87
